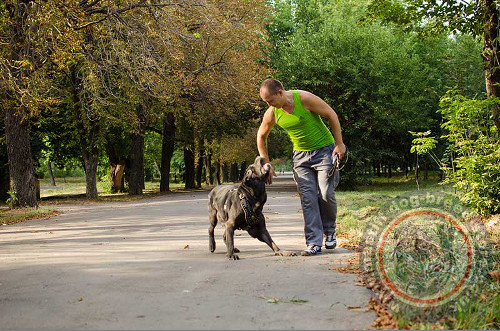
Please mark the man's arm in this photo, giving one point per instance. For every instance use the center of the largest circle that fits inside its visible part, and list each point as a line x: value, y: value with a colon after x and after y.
x: 265, y: 128
x: 316, y: 105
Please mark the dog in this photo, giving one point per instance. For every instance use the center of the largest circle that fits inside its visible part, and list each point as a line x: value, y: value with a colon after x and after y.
x: 240, y: 208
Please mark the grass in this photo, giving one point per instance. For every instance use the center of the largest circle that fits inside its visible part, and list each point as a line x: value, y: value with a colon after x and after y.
x: 77, y: 186
x: 12, y: 216
x: 355, y: 208
x: 420, y: 265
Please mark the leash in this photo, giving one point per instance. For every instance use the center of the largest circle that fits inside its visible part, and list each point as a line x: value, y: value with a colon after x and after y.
x: 336, y: 163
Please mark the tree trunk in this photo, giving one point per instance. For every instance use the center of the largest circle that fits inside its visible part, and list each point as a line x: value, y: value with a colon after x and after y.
x: 90, y: 164
x: 51, y: 174
x: 389, y: 173
x: 217, y: 172
x: 117, y: 165
x: 88, y: 135
x: 233, y: 175
x: 158, y: 169
x: 199, y: 164
x: 189, y: 165
x: 243, y: 168
x: 136, y: 181
x: 224, y: 169
x: 209, y: 176
x: 417, y: 170
x: 491, y: 54
x: 4, y: 168
x: 167, y: 150
x: 21, y: 171
x: 4, y: 185
x: 22, y: 178
x: 4, y: 172
x: 199, y: 171
x: 116, y: 173
x: 426, y: 173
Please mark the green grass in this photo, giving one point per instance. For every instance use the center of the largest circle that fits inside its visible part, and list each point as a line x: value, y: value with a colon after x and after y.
x: 77, y: 185
x: 356, y: 209
x: 72, y: 190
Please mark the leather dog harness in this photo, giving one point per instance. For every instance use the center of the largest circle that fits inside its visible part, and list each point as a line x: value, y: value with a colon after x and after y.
x: 250, y: 216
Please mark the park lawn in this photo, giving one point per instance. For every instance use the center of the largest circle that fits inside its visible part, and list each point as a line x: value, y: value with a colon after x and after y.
x: 12, y: 216
x: 357, y: 208
x: 72, y: 189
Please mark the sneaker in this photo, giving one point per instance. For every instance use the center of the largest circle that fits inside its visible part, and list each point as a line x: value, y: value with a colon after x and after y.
x: 330, y: 241
x: 311, y: 250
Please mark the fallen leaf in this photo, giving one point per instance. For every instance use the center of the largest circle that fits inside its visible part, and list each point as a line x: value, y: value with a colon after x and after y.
x: 495, y: 275
x: 186, y: 247
x: 81, y: 299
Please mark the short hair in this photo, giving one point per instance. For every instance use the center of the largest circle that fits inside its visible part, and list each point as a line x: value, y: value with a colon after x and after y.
x: 272, y: 85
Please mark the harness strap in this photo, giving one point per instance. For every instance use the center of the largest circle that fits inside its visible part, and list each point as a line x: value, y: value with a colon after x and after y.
x: 250, y: 217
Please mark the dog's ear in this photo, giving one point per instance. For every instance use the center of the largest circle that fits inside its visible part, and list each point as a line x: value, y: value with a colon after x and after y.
x: 248, y: 174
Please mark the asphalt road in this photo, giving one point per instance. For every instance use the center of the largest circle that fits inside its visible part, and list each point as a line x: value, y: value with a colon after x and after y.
x: 146, y: 265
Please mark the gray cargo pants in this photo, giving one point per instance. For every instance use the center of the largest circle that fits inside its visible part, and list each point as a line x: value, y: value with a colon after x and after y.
x: 317, y: 192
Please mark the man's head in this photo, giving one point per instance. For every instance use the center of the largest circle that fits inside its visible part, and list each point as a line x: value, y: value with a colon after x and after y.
x: 271, y: 91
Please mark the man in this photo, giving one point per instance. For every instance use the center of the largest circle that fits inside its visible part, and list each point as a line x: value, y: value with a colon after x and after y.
x: 298, y: 112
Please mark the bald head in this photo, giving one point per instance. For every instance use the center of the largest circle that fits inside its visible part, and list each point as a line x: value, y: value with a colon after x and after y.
x: 272, y: 86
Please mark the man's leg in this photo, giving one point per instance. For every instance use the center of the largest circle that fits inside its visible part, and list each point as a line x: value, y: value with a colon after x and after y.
x: 307, y: 184
x: 327, y: 201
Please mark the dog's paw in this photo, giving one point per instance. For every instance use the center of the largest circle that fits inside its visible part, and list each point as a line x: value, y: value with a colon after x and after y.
x: 236, y: 250
x: 233, y: 257
x: 285, y: 253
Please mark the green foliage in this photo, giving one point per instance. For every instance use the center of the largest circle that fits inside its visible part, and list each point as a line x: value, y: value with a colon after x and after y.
x: 12, y: 201
x: 177, y: 163
x: 430, y: 17
x: 476, y: 168
x: 422, y: 144
x: 152, y: 154
x: 381, y: 81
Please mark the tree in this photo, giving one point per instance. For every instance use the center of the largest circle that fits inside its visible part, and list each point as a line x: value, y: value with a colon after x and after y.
x: 478, y: 18
x: 69, y: 34
x: 381, y: 81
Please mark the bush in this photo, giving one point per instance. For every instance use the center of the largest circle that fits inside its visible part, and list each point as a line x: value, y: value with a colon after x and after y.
x: 475, y: 171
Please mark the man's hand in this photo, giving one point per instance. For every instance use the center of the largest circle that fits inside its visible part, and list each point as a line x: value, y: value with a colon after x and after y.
x: 340, y: 150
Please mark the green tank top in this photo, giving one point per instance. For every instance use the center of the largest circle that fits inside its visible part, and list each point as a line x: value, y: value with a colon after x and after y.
x: 306, y: 129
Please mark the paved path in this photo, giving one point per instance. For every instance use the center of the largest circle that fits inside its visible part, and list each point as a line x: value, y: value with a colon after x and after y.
x: 127, y: 266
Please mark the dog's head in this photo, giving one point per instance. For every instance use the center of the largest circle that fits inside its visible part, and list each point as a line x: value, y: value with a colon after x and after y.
x: 259, y: 171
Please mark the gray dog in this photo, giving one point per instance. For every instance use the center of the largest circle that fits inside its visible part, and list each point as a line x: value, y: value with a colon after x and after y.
x: 240, y: 208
